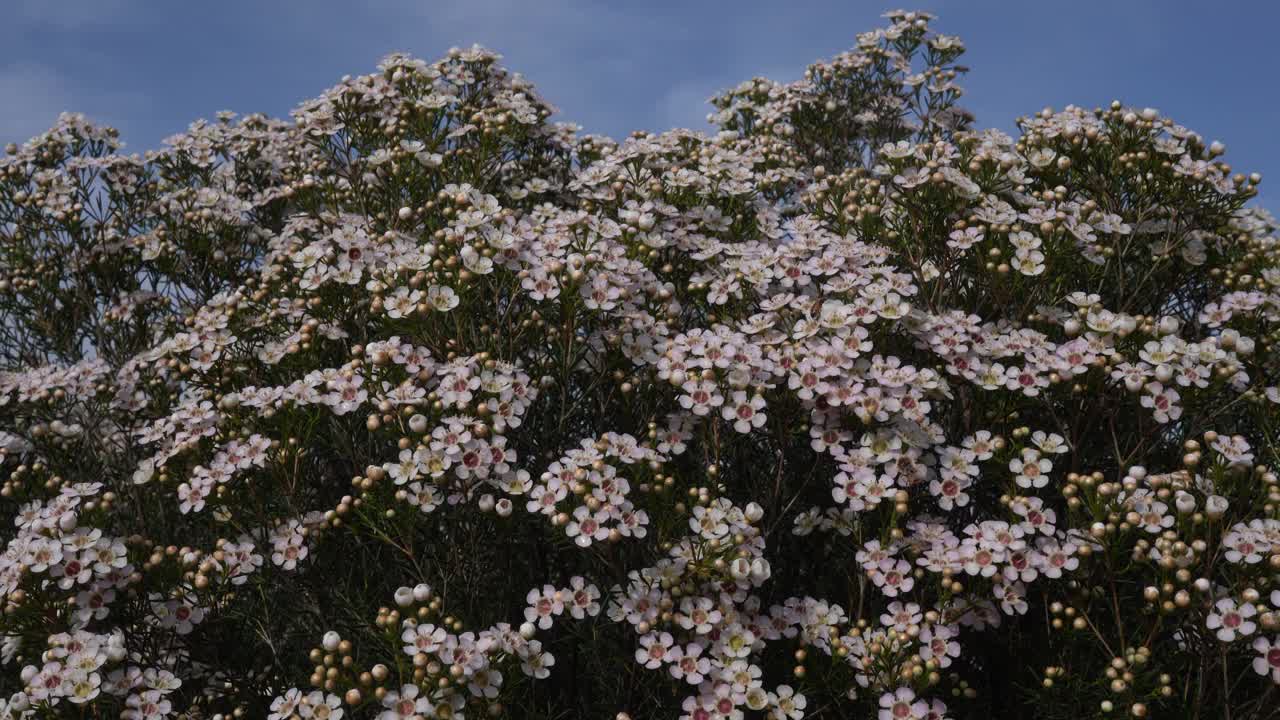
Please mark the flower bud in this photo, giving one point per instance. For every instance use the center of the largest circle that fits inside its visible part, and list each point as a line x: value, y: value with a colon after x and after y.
x: 1185, y: 502
x: 404, y: 597
x: 330, y: 641
x: 1216, y: 506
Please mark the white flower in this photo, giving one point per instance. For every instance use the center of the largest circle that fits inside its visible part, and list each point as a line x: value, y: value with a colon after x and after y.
x: 745, y: 413
x: 1268, y: 661
x: 1230, y: 620
x: 442, y: 298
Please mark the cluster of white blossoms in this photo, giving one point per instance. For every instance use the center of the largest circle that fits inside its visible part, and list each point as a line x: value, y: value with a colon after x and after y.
x: 850, y: 407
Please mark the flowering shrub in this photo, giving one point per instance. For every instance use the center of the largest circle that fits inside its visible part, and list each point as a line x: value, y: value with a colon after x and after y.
x: 420, y: 406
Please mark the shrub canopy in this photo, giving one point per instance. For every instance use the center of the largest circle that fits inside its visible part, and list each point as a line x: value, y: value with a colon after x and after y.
x: 420, y: 405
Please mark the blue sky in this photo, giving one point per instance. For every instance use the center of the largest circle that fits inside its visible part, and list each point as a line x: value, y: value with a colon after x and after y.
x: 150, y: 68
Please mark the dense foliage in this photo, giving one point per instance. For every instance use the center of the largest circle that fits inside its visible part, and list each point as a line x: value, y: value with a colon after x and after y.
x: 419, y: 405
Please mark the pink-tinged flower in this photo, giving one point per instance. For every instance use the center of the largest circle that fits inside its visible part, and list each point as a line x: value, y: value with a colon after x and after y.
x: 937, y: 710
x: 1268, y: 661
x: 893, y: 577
x: 1162, y: 401
x: 582, y: 598
x: 902, y: 704
x: 191, y: 497
x: 1231, y: 620
x: 950, y: 490
x: 700, y: 397
x: 654, y: 650
x: 285, y: 705
x: 1057, y: 559
x: 321, y: 706
x: 406, y: 704
x: 536, y: 663
x: 787, y: 704
x: 900, y: 617
x: 543, y: 605
x: 745, y: 413
x: 485, y: 683
x: 1241, y: 546
x: 698, y: 615
x: 937, y: 643
x: 425, y: 638
x: 587, y: 526
x: 1032, y: 469
x: 1012, y: 597
x: 687, y: 663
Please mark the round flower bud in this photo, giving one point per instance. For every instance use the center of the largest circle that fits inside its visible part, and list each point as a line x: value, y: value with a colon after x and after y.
x: 330, y: 641
x: 740, y: 568
x: 404, y: 597
x: 1215, y: 506
x: 421, y: 592
x: 760, y: 570
x: 753, y: 512
x: 527, y: 630
x: 1185, y: 502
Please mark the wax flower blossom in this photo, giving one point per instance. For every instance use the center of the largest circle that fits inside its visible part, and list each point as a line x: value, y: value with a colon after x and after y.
x: 419, y: 403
